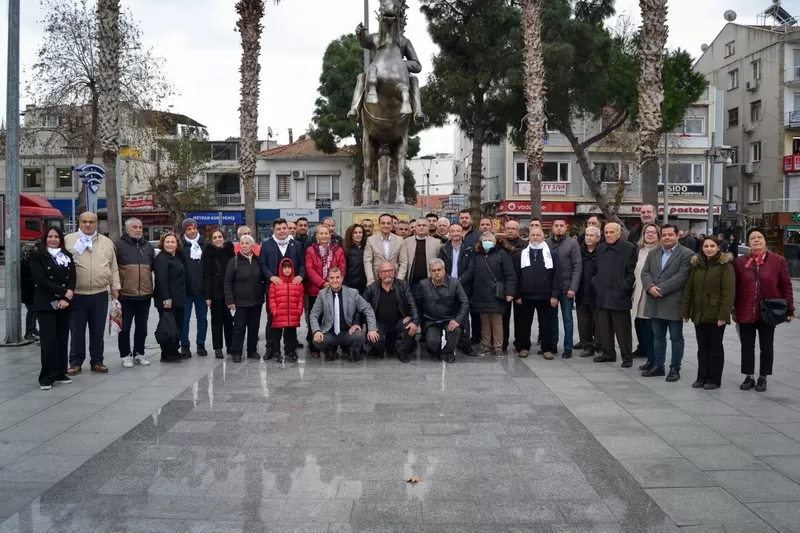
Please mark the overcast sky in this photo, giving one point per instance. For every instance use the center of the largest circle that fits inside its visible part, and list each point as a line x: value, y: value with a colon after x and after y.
x: 197, y: 39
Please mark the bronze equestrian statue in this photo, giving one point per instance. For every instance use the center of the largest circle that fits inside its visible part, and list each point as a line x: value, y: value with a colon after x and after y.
x: 392, y: 98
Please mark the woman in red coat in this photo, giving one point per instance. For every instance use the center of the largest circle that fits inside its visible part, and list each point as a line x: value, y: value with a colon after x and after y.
x: 320, y: 258
x: 761, y: 276
x: 286, y: 307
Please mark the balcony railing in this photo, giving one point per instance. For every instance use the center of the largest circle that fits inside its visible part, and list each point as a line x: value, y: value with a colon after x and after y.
x: 792, y: 76
x: 782, y: 205
x: 792, y: 120
x: 229, y: 199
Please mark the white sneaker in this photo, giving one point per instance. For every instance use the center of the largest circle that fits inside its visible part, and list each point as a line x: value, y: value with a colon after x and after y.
x: 127, y: 362
x: 45, y: 387
x: 139, y: 359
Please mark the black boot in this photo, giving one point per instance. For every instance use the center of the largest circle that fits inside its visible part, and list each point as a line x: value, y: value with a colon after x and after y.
x: 218, y: 354
x: 201, y: 350
x: 748, y: 383
x: 186, y: 353
x: 761, y: 384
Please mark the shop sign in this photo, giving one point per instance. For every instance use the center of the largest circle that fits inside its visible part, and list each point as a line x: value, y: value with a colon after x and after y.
x: 210, y: 218
x: 138, y: 202
x: 682, y: 189
x: 293, y: 214
x: 548, y: 208
x: 549, y: 188
x: 323, y: 203
x: 686, y: 211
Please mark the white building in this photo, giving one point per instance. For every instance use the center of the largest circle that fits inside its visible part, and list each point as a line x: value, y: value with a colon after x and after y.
x: 440, y: 168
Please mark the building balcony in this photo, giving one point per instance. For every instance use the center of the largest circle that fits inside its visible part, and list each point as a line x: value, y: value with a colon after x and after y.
x: 229, y: 199
x: 782, y: 205
x: 792, y: 120
x: 791, y: 77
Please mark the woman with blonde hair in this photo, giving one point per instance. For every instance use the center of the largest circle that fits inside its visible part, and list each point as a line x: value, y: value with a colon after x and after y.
x: 651, y: 236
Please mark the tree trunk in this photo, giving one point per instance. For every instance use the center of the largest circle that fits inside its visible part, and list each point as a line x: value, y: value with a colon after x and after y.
x: 652, y: 40
x: 586, y: 170
x: 108, y: 105
x: 534, y: 73
x: 476, y: 171
x: 249, y: 25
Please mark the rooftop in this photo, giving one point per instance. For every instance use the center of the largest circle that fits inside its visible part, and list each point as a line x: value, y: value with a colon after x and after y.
x: 302, y: 148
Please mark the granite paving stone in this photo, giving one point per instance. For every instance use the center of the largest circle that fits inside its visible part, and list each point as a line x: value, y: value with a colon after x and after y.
x: 758, y: 486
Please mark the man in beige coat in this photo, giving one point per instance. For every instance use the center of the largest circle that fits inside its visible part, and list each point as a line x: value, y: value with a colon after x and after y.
x: 419, y: 249
x: 96, y: 275
x: 384, y: 246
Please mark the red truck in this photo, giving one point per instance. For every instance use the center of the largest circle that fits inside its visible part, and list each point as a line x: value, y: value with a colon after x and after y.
x: 36, y: 214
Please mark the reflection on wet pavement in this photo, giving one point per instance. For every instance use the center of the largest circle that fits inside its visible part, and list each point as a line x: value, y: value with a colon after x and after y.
x: 323, y: 447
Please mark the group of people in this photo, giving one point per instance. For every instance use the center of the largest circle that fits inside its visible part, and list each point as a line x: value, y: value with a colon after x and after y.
x: 388, y: 285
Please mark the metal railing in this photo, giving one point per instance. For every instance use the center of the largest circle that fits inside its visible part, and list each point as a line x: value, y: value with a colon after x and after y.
x: 782, y: 205
x: 229, y: 199
x: 792, y: 75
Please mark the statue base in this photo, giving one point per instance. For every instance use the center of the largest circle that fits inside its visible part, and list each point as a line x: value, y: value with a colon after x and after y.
x: 346, y: 216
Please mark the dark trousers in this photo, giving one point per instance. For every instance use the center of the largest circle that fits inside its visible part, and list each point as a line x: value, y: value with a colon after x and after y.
x: 134, y: 312
x: 246, y: 318
x: 766, y: 341
x: 611, y: 323
x: 587, y: 324
x: 87, y: 310
x: 344, y: 340
x: 710, y: 353
x: 639, y: 336
x: 475, y: 326
x: 660, y: 329
x: 201, y: 310
x: 647, y: 339
x: 221, y: 325
x: 55, y: 325
x: 310, y: 334
x: 433, y: 338
x: 173, y: 349
x: 30, y: 320
x: 507, y: 323
x: 523, y: 320
x: 396, y: 336
x: 274, y: 340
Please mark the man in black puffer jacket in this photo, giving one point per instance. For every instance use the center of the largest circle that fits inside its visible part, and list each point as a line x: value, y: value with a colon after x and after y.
x: 194, y: 246
x: 586, y: 298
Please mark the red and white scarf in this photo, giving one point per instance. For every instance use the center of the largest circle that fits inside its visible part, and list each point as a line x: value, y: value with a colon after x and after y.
x: 325, y: 253
x: 757, y: 259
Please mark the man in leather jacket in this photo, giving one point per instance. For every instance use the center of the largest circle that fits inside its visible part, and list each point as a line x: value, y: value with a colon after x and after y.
x: 445, y: 308
x: 395, y: 312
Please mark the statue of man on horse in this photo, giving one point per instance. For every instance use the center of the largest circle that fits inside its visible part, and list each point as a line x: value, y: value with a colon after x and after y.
x: 385, y: 99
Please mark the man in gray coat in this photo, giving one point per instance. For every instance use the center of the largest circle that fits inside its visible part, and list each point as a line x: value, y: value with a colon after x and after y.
x: 567, y: 252
x: 664, y: 277
x: 334, y: 319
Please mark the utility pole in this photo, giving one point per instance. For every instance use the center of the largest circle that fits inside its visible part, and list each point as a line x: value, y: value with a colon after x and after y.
x: 13, y: 251
x: 666, y: 179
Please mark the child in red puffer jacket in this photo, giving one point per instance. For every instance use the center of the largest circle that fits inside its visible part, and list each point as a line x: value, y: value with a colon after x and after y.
x: 286, y: 308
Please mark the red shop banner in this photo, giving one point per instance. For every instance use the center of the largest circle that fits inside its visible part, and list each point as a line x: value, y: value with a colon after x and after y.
x: 513, y: 207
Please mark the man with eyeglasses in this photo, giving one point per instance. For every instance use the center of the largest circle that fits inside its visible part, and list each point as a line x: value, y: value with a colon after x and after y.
x: 241, y: 232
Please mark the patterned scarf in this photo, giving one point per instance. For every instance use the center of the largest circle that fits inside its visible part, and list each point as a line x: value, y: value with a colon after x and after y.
x: 327, y: 258
x: 757, y: 259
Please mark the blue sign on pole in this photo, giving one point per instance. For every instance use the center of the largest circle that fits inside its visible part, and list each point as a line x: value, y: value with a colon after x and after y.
x: 92, y: 177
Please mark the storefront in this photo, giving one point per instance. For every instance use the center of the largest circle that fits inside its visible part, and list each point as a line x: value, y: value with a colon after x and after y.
x: 264, y: 218
x: 685, y: 216
x: 521, y: 212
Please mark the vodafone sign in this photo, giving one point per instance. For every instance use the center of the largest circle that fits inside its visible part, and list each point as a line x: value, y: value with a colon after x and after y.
x: 511, y: 207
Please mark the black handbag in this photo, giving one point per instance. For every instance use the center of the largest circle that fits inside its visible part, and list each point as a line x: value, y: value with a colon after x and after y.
x: 167, y: 332
x: 773, y: 310
x: 499, y: 286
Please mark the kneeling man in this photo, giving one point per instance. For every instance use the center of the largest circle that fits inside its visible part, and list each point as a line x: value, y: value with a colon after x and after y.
x: 445, y: 308
x: 334, y: 319
x: 395, y: 312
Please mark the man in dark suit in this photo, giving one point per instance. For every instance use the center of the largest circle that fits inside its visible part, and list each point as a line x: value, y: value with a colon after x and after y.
x: 273, y: 250
x: 459, y: 263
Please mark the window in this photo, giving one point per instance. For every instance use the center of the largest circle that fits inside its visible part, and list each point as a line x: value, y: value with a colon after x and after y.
x: 228, y: 184
x: 52, y: 121
x: 755, y: 152
x: 606, y: 172
x: 796, y: 146
x: 756, y: 66
x: 755, y: 111
x: 730, y: 48
x: 733, y: 79
x: 685, y: 173
x: 64, y: 178
x: 755, y: 193
x: 555, y: 171
x: 733, y: 117
x: 32, y: 224
x: 521, y: 173
x: 284, y: 187
x: 734, y: 155
x: 731, y: 193
x: 796, y: 65
x: 262, y: 187
x: 692, y: 126
x: 322, y: 187
x: 32, y: 178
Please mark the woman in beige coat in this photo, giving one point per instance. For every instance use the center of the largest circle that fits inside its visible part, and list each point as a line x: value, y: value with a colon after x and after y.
x: 651, y: 236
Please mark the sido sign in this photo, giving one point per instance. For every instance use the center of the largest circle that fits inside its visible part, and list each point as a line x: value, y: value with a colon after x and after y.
x: 682, y: 189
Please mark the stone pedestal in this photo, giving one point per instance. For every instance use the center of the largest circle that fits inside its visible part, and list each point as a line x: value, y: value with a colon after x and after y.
x: 346, y: 216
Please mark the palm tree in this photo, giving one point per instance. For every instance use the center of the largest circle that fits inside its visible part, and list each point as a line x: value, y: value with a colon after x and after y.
x: 533, y: 69
x: 249, y: 26
x: 652, y: 41
x: 109, y: 42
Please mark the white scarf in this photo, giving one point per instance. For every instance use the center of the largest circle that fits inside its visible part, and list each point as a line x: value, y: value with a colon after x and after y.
x: 84, y: 242
x: 60, y: 257
x: 196, y: 252
x: 526, y: 255
x: 283, y: 244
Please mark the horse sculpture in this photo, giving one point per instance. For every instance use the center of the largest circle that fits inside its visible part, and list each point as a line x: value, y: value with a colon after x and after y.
x: 385, y: 99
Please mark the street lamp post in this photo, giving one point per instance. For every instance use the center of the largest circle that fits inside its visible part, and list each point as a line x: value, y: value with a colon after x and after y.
x: 427, y: 168
x: 666, y: 179
x: 714, y: 153
x: 71, y: 150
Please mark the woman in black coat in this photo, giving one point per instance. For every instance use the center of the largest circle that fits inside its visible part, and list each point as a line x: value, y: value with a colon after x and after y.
x: 53, y: 272
x: 354, y: 241
x: 170, y: 290
x: 215, y: 261
x: 244, y: 292
x: 494, y: 274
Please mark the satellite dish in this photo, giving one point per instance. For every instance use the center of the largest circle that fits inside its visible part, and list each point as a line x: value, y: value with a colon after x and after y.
x: 269, y: 132
x: 703, y: 47
x: 730, y: 15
